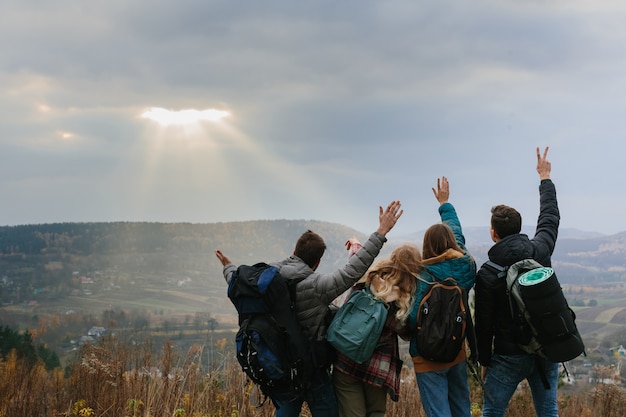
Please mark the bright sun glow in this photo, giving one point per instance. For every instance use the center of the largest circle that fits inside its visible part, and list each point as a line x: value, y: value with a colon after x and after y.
x: 166, y: 117
x: 65, y: 135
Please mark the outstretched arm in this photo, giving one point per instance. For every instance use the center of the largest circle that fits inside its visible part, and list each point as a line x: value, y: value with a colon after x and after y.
x: 326, y: 287
x: 549, y: 217
x: 353, y: 245
x: 447, y: 211
x: 229, y: 268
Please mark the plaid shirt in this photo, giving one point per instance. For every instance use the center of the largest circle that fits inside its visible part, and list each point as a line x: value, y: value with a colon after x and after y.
x: 383, y: 369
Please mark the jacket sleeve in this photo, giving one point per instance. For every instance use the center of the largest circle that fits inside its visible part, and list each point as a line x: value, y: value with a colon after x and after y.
x: 450, y: 218
x: 485, y: 314
x: 228, y: 272
x: 547, y: 223
x: 467, y: 275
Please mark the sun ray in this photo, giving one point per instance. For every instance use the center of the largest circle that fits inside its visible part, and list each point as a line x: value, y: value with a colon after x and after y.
x: 182, y: 152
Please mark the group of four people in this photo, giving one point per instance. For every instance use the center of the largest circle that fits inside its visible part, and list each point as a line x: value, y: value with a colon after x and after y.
x: 342, y: 387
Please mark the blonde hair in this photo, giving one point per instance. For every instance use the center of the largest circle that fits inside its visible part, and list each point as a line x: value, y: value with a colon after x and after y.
x: 399, y: 270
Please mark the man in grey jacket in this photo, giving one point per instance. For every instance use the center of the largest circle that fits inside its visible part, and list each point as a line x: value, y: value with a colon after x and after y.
x: 314, y: 293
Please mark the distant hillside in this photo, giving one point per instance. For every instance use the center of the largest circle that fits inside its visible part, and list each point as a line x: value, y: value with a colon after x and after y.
x: 47, y: 261
x: 42, y: 255
x: 580, y: 257
x: 165, y: 270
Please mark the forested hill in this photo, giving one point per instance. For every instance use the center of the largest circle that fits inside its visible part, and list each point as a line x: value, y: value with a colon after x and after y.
x: 47, y: 259
x: 172, y: 266
x: 260, y: 238
x: 178, y: 247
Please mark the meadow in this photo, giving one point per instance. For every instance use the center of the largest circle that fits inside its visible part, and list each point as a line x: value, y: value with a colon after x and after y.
x: 167, y: 295
x: 114, y: 379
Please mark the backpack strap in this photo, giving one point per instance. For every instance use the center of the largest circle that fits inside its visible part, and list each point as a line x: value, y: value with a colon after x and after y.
x: 435, y: 280
x: 479, y: 379
x: 500, y: 270
x: 470, y: 334
x: 541, y: 367
x: 291, y: 286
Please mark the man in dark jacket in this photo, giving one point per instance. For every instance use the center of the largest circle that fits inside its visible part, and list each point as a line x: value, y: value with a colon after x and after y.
x: 504, y: 364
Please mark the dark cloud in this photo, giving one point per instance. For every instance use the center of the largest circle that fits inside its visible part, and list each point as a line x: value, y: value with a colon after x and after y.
x: 336, y: 108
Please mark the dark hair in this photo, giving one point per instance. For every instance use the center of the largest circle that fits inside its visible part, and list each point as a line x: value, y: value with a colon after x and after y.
x: 438, y: 239
x: 505, y: 220
x: 310, y: 247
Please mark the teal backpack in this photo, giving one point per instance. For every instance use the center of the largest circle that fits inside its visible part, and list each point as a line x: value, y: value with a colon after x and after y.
x: 357, y: 325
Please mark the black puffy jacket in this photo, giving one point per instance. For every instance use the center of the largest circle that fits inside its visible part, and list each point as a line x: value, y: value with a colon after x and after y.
x: 494, y: 324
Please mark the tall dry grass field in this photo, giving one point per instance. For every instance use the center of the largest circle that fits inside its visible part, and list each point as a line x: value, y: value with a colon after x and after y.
x: 115, y: 380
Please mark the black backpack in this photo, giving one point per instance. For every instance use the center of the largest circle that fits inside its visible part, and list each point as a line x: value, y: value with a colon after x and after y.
x: 443, y: 320
x: 270, y: 345
x: 545, y: 325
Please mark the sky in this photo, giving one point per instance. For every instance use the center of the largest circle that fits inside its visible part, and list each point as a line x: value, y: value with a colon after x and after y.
x: 216, y: 111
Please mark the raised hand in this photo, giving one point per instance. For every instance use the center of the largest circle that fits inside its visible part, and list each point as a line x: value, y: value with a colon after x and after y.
x: 543, y: 165
x: 442, y: 193
x: 389, y: 217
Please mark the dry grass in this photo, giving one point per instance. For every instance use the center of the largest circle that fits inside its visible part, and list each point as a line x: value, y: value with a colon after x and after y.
x: 111, y: 379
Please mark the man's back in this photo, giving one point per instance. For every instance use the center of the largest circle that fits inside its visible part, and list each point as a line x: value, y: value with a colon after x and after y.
x: 494, y: 324
x: 504, y: 364
x: 317, y: 290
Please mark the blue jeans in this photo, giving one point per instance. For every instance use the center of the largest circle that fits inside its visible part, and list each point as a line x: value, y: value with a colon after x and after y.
x: 445, y: 393
x: 319, y: 396
x: 504, y: 374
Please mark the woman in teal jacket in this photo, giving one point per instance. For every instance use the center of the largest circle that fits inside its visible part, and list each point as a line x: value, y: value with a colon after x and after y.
x: 444, y: 389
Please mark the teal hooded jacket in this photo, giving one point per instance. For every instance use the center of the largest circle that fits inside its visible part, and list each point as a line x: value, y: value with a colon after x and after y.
x: 460, y: 266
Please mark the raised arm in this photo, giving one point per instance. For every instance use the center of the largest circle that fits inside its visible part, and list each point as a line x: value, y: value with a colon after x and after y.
x: 549, y: 218
x: 446, y: 210
x: 326, y: 287
x: 229, y: 268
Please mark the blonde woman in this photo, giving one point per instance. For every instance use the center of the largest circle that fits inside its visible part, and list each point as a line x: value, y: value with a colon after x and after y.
x: 362, y: 389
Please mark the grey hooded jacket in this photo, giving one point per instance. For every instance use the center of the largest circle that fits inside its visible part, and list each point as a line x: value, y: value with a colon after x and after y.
x: 317, y: 290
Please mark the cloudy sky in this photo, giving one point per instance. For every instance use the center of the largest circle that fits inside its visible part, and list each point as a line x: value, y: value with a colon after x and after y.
x: 214, y: 111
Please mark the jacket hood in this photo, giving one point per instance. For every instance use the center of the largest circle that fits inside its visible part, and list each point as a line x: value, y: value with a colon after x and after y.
x: 294, y: 268
x: 448, y: 254
x: 451, y: 263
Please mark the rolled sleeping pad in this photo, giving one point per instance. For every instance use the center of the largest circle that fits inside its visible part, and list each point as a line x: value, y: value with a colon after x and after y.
x: 550, y: 314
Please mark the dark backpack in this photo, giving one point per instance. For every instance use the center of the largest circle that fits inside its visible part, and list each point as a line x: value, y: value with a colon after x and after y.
x: 443, y: 320
x: 270, y: 345
x: 545, y: 325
